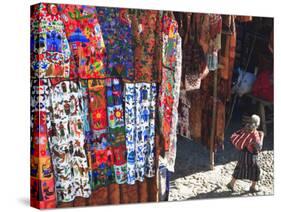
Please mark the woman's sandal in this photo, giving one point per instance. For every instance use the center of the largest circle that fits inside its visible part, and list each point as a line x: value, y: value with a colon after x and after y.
x: 253, y: 190
x: 229, y: 186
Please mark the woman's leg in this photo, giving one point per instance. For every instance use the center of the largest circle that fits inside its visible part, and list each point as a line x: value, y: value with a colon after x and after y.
x: 254, y: 183
x: 232, y: 182
x: 230, y: 185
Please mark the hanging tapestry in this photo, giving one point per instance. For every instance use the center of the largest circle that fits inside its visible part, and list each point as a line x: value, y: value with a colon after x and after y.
x: 146, y: 28
x: 101, y: 159
x: 117, y: 35
x: 41, y: 170
x: 140, y: 99
x: 85, y: 39
x: 116, y: 125
x: 169, y: 89
x: 67, y: 143
x: 49, y: 47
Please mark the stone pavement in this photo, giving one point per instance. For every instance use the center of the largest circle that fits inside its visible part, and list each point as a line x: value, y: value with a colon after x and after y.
x: 193, y: 179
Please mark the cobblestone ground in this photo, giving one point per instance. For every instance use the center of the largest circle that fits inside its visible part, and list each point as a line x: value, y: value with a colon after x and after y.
x: 194, y: 180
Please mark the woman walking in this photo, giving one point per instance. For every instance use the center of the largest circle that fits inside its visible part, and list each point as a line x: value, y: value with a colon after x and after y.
x: 249, y: 141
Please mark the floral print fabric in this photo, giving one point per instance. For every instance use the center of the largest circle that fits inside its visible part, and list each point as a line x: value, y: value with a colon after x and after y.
x: 85, y: 39
x: 67, y: 143
x: 140, y: 99
x: 171, y: 157
x: 50, y: 50
x: 117, y: 35
x: 169, y: 89
x: 146, y: 29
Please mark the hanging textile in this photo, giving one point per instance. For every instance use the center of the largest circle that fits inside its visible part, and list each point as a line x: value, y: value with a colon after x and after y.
x: 146, y: 28
x: 101, y: 159
x: 195, y: 114
x: 184, y: 113
x: 169, y: 89
x: 49, y: 47
x: 210, y: 29
x: 117, y: 35
x: 140, y: 99
x: 215, y: 23
x: 42, y: 175
x: 194, y: 61
x: 224, y: 79
x: 116, y: 124
x: 244, y: 18
x: 67, y: 143
x: 85, y: 39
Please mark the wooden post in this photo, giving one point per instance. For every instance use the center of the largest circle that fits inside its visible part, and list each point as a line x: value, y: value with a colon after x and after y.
x: 263, y: 118
x: 212, y: 152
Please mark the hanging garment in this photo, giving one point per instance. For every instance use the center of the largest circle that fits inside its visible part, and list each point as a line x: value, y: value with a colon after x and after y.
x: 244, y: 18
x: 215, y: 41
x: 171, y: 158
x: 41, y: 170
x: 117, y: 35
x: 194, y: 61
x: 116, y: 125
x: 263, y: 86
x: 67, y: 143
x: 101, y: 160
x: 170, y: 87
x: 146, y: 28
x: 184, y: 114
x: 195, y: 115
x: 85, y: 39
x: 210, y: 28
x: 140, y: 99
x: 49, y: 47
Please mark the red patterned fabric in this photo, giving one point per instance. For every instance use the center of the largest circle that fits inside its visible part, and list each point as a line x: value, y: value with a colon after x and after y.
x: 263, y: 86
x: 85, y: 40
x: 242, y: 139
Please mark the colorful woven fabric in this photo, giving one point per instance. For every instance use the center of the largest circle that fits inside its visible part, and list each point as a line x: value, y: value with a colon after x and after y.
x: 41, y: 171
x: 169, y: 89
x: 101, y: 154
x: 85, y: 39
x: 171, y: 157
x: 116, y: 126
x: 67, y: 143
x: 117, y: 35
x: 140, y: 99
x: 146, y: 27
x: 49, y: 48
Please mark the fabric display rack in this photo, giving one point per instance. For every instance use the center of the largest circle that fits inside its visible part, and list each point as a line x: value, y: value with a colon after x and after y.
x: 111, y: 89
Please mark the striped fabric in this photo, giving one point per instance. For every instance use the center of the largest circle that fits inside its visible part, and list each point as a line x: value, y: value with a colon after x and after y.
x: 247, y: 167
x: 242, y: 139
